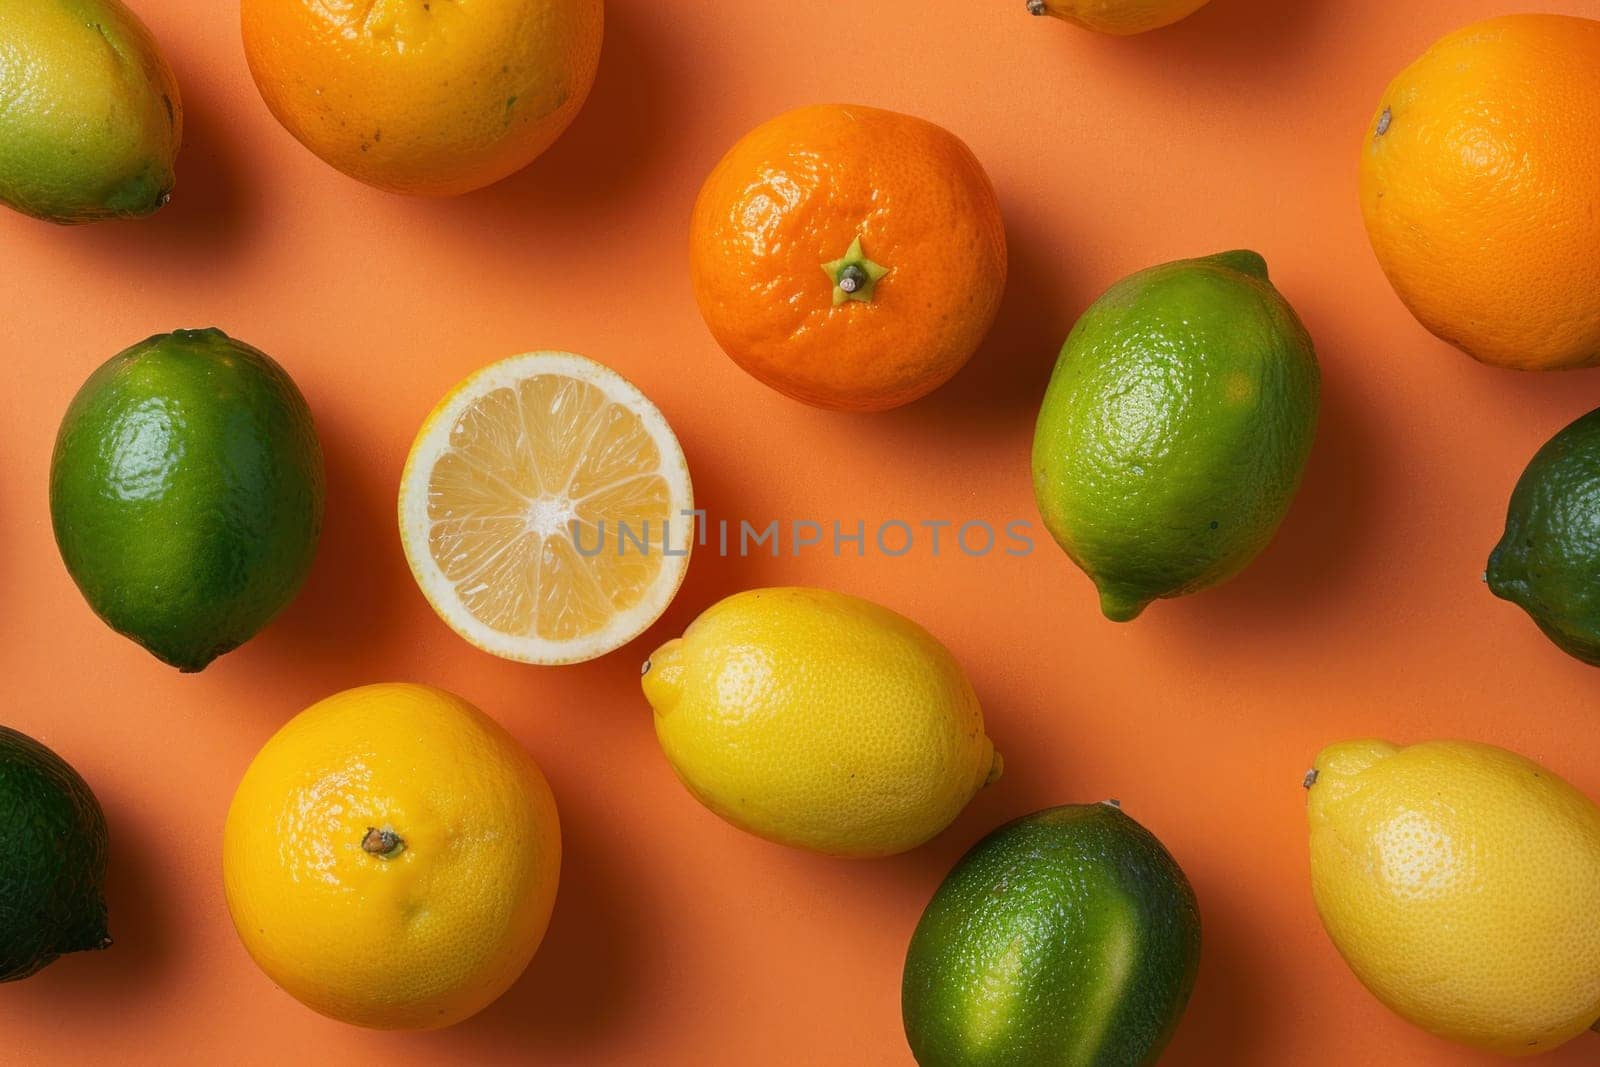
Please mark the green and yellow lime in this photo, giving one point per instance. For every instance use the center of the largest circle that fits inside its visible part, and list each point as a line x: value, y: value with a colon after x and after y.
x: 1175, y: 429
x: 186, y: 493
x: 91, y: 119
x: 1069, y: 937
x: 1548, y: 560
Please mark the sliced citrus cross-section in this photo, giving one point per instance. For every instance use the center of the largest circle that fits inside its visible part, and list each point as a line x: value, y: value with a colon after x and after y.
x: 546, y: 509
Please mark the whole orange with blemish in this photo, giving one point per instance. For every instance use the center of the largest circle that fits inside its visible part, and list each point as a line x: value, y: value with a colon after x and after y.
x: 1480, y: 183
x: 848, y: 257
x: 391, y: 858
x: 434, y: 97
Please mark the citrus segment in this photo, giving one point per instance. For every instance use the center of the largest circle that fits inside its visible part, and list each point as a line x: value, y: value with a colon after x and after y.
x: 545, y: 509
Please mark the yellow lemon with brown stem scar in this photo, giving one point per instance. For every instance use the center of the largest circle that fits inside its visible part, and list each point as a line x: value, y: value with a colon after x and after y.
x: 391, y: 858
x: 1461, y: 883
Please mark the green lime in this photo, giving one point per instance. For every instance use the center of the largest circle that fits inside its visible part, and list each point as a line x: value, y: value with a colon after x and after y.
x: 91, y: 118
x: 186, y: 493
x: 1175, y: 429
x: 1069, y: 937
x: 1548, y: 560
x: 53, y: 837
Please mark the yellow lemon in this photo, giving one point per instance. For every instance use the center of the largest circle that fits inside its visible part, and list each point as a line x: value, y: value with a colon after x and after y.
x: 391, y: 858
x: 820, y: 720
x: 546, y: 509
x: 1461, y: 883
x: 1120, y: 17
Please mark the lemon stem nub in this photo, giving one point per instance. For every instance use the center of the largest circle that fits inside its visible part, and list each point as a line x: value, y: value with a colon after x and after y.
x: 645, y: 669
x: 1310, y: 779
x: 385, y: 844
x: 1037, y: 7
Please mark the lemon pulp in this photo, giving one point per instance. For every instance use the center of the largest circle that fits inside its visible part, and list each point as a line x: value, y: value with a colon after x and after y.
x: 546, y: 509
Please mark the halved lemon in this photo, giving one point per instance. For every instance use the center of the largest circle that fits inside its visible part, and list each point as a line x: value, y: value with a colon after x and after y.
x: 546, y: 509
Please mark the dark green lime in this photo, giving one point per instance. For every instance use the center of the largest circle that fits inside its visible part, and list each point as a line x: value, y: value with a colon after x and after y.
x: 1175, y: 429
x: 186, y: 493
x: 52, y: 859
x: 1069, y: 938
x: 1548, y: 560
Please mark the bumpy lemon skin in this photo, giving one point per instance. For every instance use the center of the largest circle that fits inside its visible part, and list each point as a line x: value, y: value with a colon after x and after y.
x: 821, y: 721
x: 426, y: 937
x: 1461, y: 883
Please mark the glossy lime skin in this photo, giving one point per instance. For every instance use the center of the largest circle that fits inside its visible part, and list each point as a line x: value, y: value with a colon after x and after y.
x: 91, y: 118
x: 1175, y: 429
x: 1548, y: 559
x: 53, y: 838
x: 186, y: 493
x: 1069, y: 937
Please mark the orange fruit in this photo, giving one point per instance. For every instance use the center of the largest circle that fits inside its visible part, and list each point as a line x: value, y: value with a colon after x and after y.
x: 391, y: 858
x: 1480, y: 190
x: 848, y: 257
x: 432, y: 97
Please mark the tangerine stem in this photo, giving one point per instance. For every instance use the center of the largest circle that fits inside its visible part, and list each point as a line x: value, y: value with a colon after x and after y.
x: 853, y: 275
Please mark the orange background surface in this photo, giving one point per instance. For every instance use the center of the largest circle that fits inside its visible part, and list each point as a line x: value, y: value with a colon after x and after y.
x: 677, y: 939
